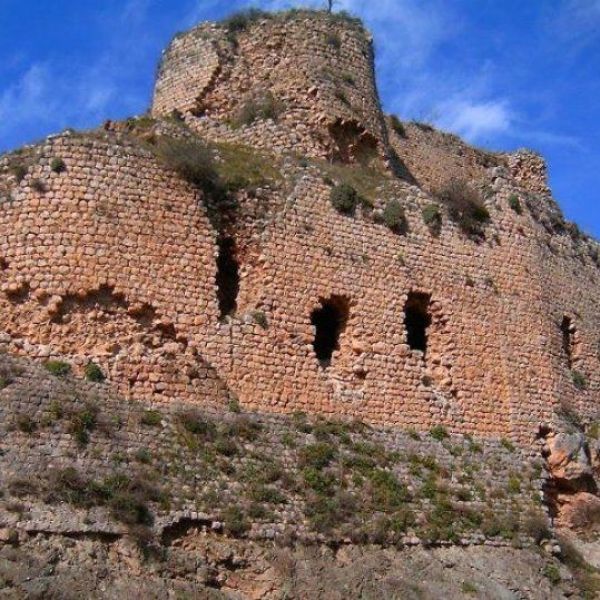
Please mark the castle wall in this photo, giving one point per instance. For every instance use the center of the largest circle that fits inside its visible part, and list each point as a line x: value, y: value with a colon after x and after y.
x: 116, y: 262
x: 115, y: 259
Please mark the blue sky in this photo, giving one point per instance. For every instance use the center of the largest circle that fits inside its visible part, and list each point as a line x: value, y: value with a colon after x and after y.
x: 503, y: 74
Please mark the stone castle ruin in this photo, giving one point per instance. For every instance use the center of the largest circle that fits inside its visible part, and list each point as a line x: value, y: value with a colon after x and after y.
x: 286, y: 303
x: 304, y: 324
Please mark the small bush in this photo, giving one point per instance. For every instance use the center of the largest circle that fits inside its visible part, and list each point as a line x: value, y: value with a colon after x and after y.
x: 394, y: 217
x: 260, y: 318
x: 317, y: 455
x: 19, y: 171
x: 263, y: 107
x: 348, y: 79
x: 264, y: 493
x: 94, y: 373
x: 432, y: 217
x: 397, y: 126
x: 57, y: 165
x: 240, y: 21
x: 23, y: 486
x: 552, y: 573
x: 515, y: 204
x: 536, y: 527
x: 334, y: 40
x: 25, y: 423
x: 579, y: 380
x: 234, y: 521
x: 58, y: 368
x: 514, y: 484
x: 143, y: 455
x: 197, y: 424
x: 151, y: 418
x: 192, y: 160
x: 82, y: 422
x: 468, y: 588
x: 344, y: 198
x: 37, y: 185
x: 507, y: 444
x: 465, y: 206
x: 318, y: 481
x: 386, y: 491
x: 438, y: 432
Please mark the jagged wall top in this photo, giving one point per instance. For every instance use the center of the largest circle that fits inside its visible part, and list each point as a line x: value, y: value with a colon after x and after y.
x: 316, y: 72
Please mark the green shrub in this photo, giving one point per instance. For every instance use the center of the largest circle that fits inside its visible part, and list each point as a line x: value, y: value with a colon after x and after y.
x: 464, y: 205
x: 151, y: 418
x: 127, y: 498
x: 19, y: 171
x: 397, y: 126
x: 394, y: 217
x: 143, y: 455
x: 334, y: 40
x: 240, y: 21
x: 348, y: 78
x: 386, y: 491
x: 260, y: 318
x: 25, y: 423
x: 263, y: 107
x: 58, y: 368
x: 344, y: 198
x: 579, y: 380
x: 515, y: 204
x: 82, y: 422
x: 94, y: 373
x: 468, y: 588
x: 265, y: 493
x: 234, y: 405
x: 317, y: 480
x: 195, y: 423
x: 438, y: 432
x: 317, y: 455
x: 226, y: 446
x: 514, y: 484
x: 507, y: 444
x: 37, y: 185
x: 192, y: 160
x: 536, y: 527
x: 234, y: 521
x: 432, y: 217
x: 552, y: 573
x: 242, y: 427
x: 57, y: 165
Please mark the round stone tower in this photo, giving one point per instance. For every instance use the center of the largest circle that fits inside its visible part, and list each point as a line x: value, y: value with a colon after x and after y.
x: 298, y: 81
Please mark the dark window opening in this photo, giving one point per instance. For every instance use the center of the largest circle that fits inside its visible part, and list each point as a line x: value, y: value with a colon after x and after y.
x: 417, y: 319
x: 329, y: 321
x: 568, y: 333
x: 228, y: 277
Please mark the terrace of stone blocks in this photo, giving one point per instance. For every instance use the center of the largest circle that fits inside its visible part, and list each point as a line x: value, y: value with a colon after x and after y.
x: 329, y: 275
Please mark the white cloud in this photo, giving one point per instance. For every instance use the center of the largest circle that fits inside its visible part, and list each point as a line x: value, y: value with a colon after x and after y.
x: 25, y: 99
x: 62, y: 91
x: 476, y: 120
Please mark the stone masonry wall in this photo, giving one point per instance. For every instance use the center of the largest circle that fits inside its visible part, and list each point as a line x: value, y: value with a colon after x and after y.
x: 114, y: 259
x: 116, y: 262
x: 319, y: 72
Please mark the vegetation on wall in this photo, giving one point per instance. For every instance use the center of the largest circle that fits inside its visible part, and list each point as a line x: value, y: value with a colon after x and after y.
x: 465, y: 206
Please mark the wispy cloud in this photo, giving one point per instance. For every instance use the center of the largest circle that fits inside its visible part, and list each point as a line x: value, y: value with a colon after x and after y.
x: 62, y: 91
x: 476, y: 120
